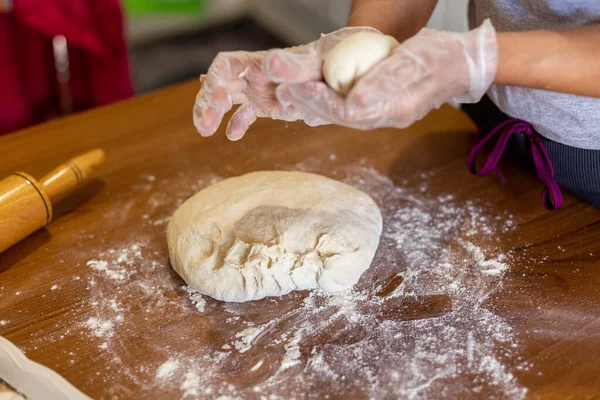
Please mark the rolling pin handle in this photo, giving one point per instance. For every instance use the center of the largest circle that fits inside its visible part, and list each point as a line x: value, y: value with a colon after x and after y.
x: 70, y: 175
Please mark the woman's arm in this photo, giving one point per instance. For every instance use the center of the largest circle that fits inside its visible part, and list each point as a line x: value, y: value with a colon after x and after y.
x: 399, y: 18
x: 562, y: 61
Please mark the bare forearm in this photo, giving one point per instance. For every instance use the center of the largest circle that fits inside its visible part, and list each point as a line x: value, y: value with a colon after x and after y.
x: 399, y: 18
x: 562, y: 61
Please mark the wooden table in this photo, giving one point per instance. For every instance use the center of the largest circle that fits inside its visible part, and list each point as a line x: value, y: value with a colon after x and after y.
x: 93, y: 297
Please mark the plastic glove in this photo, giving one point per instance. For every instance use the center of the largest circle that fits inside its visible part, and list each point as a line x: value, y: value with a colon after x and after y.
x: 422, y: 73
x: 251, y: 78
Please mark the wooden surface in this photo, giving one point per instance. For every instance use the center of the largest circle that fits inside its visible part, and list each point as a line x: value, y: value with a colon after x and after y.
x: 548, y: 297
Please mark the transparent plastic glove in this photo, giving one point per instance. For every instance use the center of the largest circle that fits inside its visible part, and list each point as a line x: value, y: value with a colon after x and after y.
x: 421, y: 74
x: 251, y: 78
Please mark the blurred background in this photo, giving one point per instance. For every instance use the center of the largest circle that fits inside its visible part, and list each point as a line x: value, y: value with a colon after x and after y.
x: 63, y: 56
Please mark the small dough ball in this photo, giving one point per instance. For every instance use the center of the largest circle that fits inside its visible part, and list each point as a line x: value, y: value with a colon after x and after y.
x: 353, y: 57
x: 268, y: 233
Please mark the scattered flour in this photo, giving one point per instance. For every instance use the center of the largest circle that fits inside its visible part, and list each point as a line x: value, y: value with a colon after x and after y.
x: 113, y: 272
x: 191, y: 385
x: 100, y: 328
x: 103, y: 325
x: 292, y: 351
x: 246, y: 337
x: 119, y: 268
x: 167, y: 369
x: 196, y: 298
x: 257, y: 366
x: 491, y: 266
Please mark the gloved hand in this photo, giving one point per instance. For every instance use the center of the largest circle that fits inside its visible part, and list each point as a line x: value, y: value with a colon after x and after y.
x: 422, y: 73
x: 251, y: 78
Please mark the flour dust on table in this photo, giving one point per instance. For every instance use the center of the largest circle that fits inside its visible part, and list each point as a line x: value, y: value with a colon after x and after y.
x: 271, y: 232
x: 419, y: 324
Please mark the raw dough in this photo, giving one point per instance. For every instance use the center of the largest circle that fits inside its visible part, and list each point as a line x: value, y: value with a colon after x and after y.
x: 353, y: 57
x: 268, y: 233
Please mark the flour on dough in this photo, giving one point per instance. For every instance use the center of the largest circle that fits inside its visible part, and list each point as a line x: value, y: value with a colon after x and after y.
x: 268, y: 233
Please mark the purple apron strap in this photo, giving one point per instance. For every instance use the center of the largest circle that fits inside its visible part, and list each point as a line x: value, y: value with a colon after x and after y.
x: 551, y: 196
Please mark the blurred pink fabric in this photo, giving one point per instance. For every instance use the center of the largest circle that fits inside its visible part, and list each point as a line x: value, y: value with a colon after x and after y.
x: 99, y: 68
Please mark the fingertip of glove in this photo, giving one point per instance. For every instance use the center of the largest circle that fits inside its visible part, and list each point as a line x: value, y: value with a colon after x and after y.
x: 232, y: 133
x: 202, y: 130
x: 233, y: 138
x: 235, y: 128
x: 204, y: 125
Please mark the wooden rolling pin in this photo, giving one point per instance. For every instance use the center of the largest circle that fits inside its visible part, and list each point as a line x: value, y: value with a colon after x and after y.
x: 26, y: 204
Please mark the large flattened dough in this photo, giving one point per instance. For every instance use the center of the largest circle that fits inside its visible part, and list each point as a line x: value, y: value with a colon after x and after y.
x: 268, y: 233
